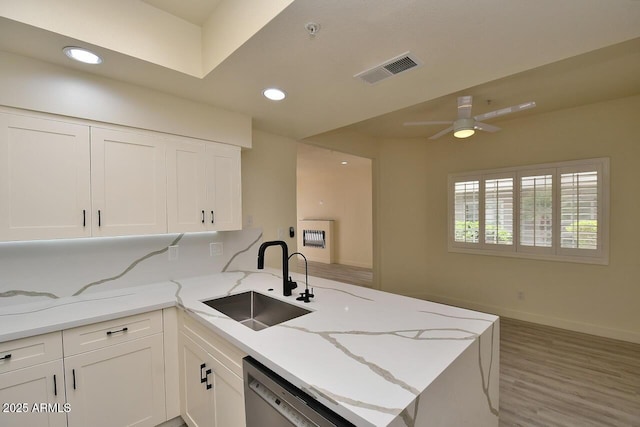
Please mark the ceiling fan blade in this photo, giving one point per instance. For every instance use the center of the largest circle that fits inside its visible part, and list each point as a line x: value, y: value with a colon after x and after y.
x: 442, y: 132
x: 448, y: 122
x: 464, y: 106
x: 486, y: 127
x: 508, y: 110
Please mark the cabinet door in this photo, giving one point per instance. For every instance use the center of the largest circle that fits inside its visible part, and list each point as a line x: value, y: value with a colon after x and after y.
x: 24, y: 390
x: 186, y: 204
x: 224, y: 190
x: 44, y: 179
x: 128, y: 183
x: 197, y: 402
x: 120, y: 385
x: 211, y: 395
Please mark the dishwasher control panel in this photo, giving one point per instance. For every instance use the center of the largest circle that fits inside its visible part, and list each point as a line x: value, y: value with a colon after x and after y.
x: 286, y: 410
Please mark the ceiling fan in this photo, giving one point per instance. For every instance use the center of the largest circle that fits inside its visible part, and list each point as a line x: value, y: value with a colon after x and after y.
x: 465, y: 125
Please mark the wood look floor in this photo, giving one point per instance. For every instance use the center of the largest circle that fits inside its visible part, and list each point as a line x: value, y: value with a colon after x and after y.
x: 341, y: 273
x: 549, y: 377
x: 553, y: 377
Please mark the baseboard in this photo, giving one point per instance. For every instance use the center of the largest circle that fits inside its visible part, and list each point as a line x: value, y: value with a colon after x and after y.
x: 572, y: 325
x: 352, y: 263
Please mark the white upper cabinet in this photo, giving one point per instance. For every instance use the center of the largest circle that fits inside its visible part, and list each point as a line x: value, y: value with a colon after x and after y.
x: 65, y: 179
x: 186, y: 193
x: 224, y: 192
x: 204, y: 187
x: 128, y: 183
x: 44, y: 179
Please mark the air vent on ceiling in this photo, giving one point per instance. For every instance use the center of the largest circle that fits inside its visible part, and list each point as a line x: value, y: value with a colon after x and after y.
x: 390, y: 68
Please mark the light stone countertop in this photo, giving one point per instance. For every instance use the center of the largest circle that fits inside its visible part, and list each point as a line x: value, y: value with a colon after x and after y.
x: 366, y: 354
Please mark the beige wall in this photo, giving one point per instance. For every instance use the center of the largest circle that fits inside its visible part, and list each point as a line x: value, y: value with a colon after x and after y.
x: 269, y: 190
x: 412, y: 223
x: 328, y: 190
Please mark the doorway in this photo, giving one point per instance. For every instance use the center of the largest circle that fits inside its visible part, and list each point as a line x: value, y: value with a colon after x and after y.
x: 335, y: 188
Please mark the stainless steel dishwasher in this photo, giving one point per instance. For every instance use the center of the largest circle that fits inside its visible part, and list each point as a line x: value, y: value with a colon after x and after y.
x: 271, y: 401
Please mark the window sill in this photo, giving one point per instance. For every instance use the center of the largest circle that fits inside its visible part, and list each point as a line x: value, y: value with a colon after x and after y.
x: 601, y: 260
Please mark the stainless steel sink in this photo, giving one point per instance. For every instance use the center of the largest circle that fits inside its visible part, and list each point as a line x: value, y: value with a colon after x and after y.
x: 256, y: 311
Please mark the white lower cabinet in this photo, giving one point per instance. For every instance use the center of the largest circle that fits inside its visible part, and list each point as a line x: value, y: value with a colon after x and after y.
x: 211, y: 395
x: 32, y: 382
x: 33, y: 396
x: 211, y: 383
x: 120, y: 385
x: 114, y: 372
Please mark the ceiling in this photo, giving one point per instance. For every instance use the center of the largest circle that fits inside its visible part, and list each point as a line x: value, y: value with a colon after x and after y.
x: 559, y: 54
x: 193, y: 11
x: 318, y: 161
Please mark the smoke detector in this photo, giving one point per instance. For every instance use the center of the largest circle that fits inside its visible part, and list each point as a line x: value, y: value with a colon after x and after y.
x: 312, y: 28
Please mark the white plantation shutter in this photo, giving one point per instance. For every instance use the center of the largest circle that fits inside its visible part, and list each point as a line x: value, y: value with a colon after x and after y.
x: 536, y: 210
x: 498, y: 211
x: 467, y: 211
x: 554, y: 211
x: 579, y: 210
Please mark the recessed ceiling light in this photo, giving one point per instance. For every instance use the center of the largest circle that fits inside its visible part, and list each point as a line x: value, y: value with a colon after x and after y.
x: 274, y: 94
x: 82, y: 55
x: 344, y: 162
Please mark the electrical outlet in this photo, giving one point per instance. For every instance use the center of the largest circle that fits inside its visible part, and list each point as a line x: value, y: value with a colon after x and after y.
x: 173, y: 253
x: 216, y: 249
x: 280, y: 233
x: 249, y: 221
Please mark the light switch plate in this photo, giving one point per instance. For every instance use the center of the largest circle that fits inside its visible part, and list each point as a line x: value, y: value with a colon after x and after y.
x: 173, y: 253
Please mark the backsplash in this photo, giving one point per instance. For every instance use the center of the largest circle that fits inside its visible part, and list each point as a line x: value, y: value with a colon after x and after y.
x: 42, y: 270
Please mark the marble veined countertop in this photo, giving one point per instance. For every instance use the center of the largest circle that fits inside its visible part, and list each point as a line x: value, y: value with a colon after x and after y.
x: 366, y: 354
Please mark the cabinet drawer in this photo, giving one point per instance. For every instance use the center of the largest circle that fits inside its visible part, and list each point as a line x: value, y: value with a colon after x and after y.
x: 103, y: 334
x: 30, y: 351
x: 218, y: 347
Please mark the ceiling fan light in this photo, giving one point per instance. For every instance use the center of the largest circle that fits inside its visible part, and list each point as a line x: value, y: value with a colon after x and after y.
x: 463, y: 133
x: 463, y: 128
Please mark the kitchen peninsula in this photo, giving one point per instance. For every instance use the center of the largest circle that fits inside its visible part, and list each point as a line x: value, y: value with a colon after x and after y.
x: 375, y: 358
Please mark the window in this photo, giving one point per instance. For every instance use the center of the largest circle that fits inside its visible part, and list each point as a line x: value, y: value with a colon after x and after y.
x: 467, y: 212
x: 553, y: 211
x: 498, y: 208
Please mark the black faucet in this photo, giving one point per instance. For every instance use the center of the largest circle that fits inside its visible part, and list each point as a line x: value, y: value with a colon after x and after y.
x: 287, y: 284
x: 304, y: 296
